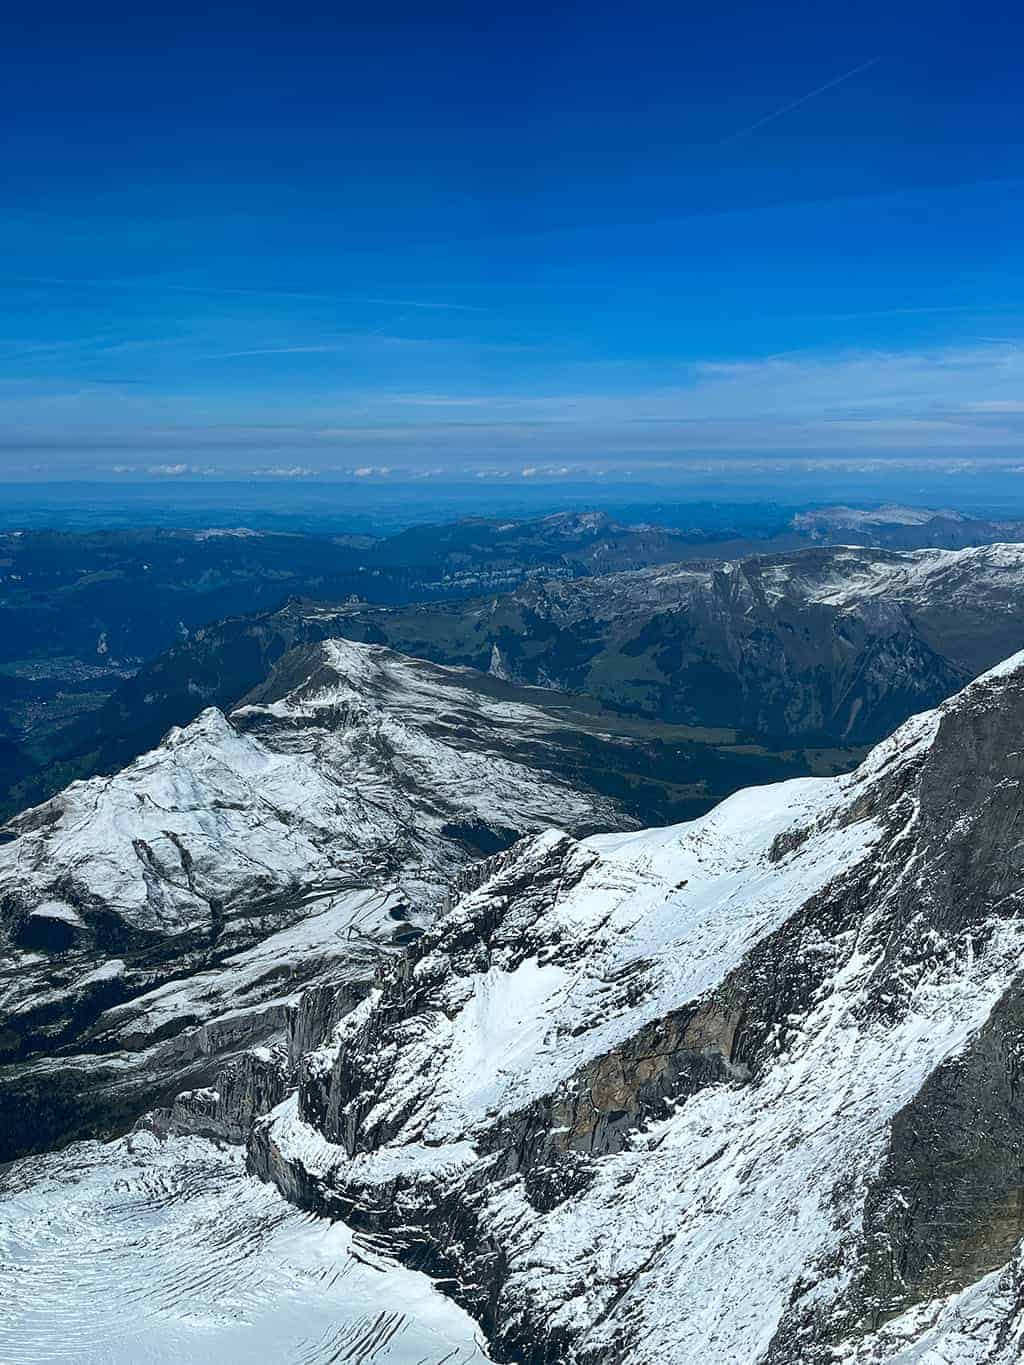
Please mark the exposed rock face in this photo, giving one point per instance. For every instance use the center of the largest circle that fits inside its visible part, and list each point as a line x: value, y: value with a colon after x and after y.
x: 743, y: 1090
x: 256, y: 1081
x: 156, y: 924
x: 248, y: 1087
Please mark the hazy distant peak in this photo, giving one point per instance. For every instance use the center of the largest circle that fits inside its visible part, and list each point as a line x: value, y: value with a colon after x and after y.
x: 857, y: 518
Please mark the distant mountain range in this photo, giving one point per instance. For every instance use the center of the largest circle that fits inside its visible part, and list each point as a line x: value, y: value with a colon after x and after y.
x: 835, y: 645
x: 823, y: 647
x: 904, y: 528
x: 79, y: 611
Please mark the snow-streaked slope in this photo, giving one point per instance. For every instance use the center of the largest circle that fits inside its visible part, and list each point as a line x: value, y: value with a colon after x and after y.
x: 352, y: 771
x: 139, y: 1251
x: 658, y: 1098
x: 662, y: 917
x: 981, y: 1325
x: 857, y: 518
x: 151, y: 920
x: 846, y: 576
x: 922, y: 577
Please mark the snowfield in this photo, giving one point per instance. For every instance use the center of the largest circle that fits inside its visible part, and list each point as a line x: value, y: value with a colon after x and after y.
x: 139, y: 1252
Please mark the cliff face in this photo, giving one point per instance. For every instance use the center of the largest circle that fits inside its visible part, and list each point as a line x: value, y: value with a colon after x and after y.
x: 742, y: 1090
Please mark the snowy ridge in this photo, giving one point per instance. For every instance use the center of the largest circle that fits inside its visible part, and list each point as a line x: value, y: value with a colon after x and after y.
x: 856, y: 518
x: 654, y: 1095
x: 173, y: 910
x: 675, y: 909
x: 217, y: 812
x: 921, y: 575
x: 240, y: 807
x: 837, y: 575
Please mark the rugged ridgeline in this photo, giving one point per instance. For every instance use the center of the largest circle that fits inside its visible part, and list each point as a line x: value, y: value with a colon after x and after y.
x: 821, y: 646
x: 746, y: 1090
x: 160, y: 922
x: 80, y: 612
x: 835, y: 645
x: 897, y: 527
x: 122, y: 596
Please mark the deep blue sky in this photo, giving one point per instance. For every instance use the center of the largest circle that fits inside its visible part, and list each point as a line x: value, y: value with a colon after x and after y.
x: 641, y: 240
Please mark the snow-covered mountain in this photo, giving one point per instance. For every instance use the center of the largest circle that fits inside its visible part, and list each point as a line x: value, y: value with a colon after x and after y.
x: 903, y: 528
x: 158, y: 920
x: 744, y: 1091
x: 843, y: 518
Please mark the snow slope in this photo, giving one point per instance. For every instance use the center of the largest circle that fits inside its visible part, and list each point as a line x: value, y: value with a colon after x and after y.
x: 325, y: 783
x: 664, y: 1097
x: 838, y: 575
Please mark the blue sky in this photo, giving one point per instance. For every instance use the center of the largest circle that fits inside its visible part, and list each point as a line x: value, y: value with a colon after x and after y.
x: 314, y: 243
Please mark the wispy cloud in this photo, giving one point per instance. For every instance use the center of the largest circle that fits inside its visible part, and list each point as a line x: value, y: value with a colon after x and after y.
x: 180, y: 470
x: 156, y: 284
x: 419, y: 303
x: 19, y: 349
x: 288, y: 471
x: 274, y: 350
x: 948, y: 403
x: 1005, y: 406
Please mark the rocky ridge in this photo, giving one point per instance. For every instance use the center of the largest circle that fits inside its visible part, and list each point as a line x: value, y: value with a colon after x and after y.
x: 745, y: 1089
x: 160, y: 921
x: 834, y: 644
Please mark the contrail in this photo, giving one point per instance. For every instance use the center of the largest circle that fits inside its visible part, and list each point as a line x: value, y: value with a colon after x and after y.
x: 795, y: 104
